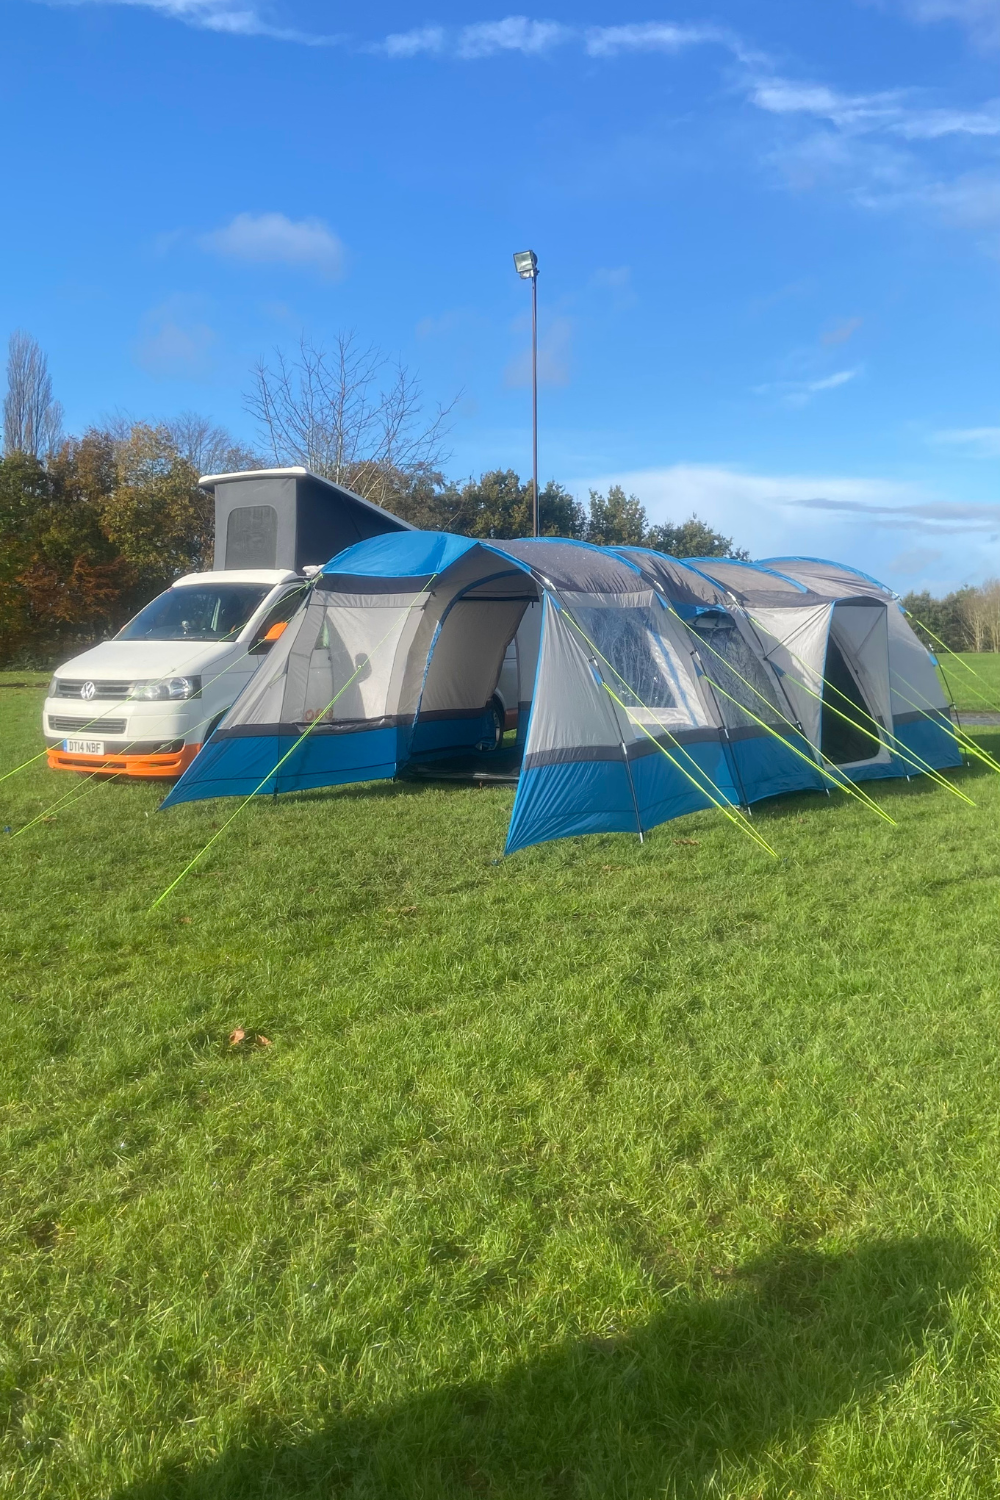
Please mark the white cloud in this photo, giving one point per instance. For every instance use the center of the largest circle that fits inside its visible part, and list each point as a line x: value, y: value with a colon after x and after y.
x: 430, y: 39
x: 889, y: 112
x: 855, y: 519
x: 219, y: 15
x: 983, y: 441
x: 980, y: 17
x: 174, y: 342
x: 274, y: 239
x: 484, y: 39
x: 531, y: 38
x: 801, y: 392
x: 514, y: 34
x: 654, y: 36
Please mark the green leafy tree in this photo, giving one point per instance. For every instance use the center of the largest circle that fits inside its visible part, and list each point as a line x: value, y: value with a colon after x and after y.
x: 692, y: 538
x: 617, y: 519
x: 498, y: 505
x: 946, y: 618
x: 155, y: 514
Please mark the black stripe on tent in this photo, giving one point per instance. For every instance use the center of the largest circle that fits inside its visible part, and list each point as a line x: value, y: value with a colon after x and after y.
x: 637, y: 751
x: 344, y: 726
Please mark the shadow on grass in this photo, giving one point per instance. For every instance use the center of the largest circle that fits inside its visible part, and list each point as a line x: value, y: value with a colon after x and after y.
x: 784, y: 1344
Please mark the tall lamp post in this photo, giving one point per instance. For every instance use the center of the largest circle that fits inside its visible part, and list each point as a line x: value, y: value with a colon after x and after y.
x: 526, y: 265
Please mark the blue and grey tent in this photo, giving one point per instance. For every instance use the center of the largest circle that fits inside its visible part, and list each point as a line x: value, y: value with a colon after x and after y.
x: 649, y: 687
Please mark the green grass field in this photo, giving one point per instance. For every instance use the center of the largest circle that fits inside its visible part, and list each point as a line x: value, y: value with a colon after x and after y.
x: 606, y: 1170
x: 974, y: 686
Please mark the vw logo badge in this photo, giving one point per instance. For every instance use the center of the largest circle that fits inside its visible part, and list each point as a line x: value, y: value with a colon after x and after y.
x: 88, y: 690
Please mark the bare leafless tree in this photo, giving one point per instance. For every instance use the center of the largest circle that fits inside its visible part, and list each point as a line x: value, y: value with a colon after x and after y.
x: 32, y: 420
x: 351, y: 415
x: 208, y: 448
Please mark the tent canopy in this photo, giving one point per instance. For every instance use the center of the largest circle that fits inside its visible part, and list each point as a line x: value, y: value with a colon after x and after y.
x: 649, y: 687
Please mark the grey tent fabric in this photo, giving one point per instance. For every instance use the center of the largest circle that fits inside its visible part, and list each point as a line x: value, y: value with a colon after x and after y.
x: 649, y: 686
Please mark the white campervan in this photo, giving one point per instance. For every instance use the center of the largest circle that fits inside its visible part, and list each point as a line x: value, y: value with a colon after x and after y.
x: 143, y: 703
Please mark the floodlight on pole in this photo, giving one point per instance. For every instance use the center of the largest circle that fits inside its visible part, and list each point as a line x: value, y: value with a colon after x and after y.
x: 526, y: 266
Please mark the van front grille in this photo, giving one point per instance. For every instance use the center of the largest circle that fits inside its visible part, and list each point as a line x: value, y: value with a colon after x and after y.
x: 68, y: 687
x: 60, y: 725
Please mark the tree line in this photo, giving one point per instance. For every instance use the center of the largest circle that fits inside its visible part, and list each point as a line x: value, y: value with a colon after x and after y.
x: 93, y: 526
x: 966, y: 620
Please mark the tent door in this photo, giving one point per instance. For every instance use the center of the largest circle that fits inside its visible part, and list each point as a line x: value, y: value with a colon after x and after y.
x: 847, y: 734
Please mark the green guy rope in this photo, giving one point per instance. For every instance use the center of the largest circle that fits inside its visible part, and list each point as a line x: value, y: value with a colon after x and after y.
x: 716, y: 800
x: 845, y: 785
x: 937, y: 639
x: 304, y: 735
x: 903, y: 752
x: 741, y: 822
x: 122, y: 701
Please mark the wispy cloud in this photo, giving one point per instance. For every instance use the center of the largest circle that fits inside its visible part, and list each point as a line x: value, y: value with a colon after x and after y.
x: 485, y: 39
x: 658, y: 36
x: 553, y: 356
x: 842, y: 332
x: 984, y: 442
x: 981, y: 18
x: 533, y: 38
x: 227, y: 16
x: 274, y: 239
x: 801, y: 392
x: 894, y: 112
x: 174, y: 340
x: 894, y: 529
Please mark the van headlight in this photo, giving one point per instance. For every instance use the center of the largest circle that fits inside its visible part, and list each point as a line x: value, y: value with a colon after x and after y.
x: 172, y: 688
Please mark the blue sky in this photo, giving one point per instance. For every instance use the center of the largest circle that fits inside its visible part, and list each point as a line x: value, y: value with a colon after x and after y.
x: 768, y: 233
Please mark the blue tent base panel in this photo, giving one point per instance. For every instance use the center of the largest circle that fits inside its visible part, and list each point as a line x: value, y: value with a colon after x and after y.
x: 927, y: 737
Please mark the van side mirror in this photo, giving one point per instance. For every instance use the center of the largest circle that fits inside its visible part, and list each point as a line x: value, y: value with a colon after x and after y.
x: 267, y: 641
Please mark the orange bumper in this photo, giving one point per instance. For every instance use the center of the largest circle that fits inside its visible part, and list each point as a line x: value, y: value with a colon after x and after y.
x: 173, y: 764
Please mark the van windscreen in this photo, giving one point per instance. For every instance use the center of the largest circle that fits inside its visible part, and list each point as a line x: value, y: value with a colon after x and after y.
x: 202, y: 612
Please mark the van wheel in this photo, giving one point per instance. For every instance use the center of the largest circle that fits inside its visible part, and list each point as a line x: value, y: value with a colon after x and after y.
x: 498, y: 717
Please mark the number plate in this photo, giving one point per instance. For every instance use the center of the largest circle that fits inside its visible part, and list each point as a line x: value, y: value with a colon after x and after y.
x: 83, y: 747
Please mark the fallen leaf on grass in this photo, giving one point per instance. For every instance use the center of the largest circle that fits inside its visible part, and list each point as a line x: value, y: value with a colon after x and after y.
x: 262, y: 1040
x: 49, y: 820
x: 237, y: 1036
x: 406, y: 911
x: 186, y: 921
x: 695, y: 843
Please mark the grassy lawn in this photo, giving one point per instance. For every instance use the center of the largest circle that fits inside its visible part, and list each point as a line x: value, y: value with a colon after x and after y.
x: 606, y: 1170
x: 975, y: 686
